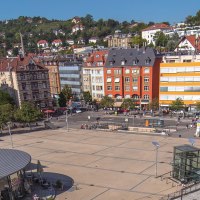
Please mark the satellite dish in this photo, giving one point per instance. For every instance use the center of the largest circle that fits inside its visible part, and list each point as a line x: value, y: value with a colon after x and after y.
x: 192, y: 141
x: 156, y: 144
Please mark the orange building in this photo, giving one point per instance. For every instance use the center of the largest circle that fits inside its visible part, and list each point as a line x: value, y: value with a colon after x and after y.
x: 132, y: 73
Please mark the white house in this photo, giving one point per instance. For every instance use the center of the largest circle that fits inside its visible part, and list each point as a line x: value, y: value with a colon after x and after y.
x: 189, y: 43
x: 42, y: 43
x: 70, y: 42
x: 57, y: 43
x: 149, y: 33
x: 76, y: 20
x: 77, y: 27
x: 93, y: 40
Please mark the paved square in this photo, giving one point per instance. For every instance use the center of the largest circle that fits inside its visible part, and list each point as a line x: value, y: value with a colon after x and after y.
x: 103, y: 165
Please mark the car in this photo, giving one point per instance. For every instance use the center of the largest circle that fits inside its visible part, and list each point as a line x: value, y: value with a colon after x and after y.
x: 78, y: 111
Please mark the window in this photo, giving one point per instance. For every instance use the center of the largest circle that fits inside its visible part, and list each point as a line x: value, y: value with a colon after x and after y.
x: 109, y: 71
x: 146, y: 96
x: 135, y: 61
x: 146, y: 88
x: 117, y: 88
x: 135, y: 88
x: 93, y: 87
x: 127, y: 79
x: 135, y: 71
x: 135, y: 96
x: 122, y: 62
x: 135, y: 80
x: 127, y: 88
x: 44, y: 84
x: 146, y: 70
x: 23, y: 86
x: 127, y: 71
x: 109, y: 80
x: 97, y: 56
x: 147, y: 61
x: 117, y: 80
x: 117, y: 71
x: 109, y: 87
x: 146, y: 79
x: 163, y: 89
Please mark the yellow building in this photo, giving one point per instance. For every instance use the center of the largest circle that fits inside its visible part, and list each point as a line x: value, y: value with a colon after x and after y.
x: 180, y: 78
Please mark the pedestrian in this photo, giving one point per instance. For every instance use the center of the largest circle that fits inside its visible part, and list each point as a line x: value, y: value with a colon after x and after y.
x: 187, y: 126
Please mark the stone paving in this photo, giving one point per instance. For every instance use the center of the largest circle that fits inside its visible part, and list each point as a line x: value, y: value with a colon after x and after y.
x: 103, y: 165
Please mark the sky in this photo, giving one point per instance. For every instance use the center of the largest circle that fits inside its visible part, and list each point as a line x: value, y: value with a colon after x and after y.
x: 139, y: 10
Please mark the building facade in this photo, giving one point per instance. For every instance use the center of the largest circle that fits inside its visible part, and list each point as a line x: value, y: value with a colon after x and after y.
x: 180, y: 78
x: 119, y: 40
x: 70, y: 70
x: 132, y: 73
x: 51, y: 64
x: 26, y: 80
x: 93, y: 74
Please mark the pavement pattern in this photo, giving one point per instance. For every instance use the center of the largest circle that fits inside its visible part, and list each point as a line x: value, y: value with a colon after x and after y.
x: 103, y: 165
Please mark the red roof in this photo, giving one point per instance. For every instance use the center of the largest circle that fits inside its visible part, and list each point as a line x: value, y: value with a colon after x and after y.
x: 157, y: 26
x: 97, y: 56
x: 57, y: 41
x: 42, y: 42
x: 191, y: 39
x: 17, y: 64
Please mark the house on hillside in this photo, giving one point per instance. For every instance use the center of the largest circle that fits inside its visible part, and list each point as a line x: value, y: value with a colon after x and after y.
x: 77, y: 27
x: 70, y: 41
x: 57, y: 43
x: 76, y: 20
x: 93, y: 40
x: 42, y: 44
x: 189, y: 43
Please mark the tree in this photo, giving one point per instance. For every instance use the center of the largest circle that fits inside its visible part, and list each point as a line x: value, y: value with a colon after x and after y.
x: 198, y: 105
x: 5, y: 98
x: 138, y: 40
x: 107, y: 102
x: 67, y: 91
x: 161, y: 39
x: 62, y: 100
x: 154, y: 104
x: 128, y: 104
x: 178, y: 104
x: 6, y: 114
x: 27, y: 113
x: 87, y: 96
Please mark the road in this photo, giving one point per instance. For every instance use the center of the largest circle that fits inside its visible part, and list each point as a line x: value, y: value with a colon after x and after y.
x: 76, y: 120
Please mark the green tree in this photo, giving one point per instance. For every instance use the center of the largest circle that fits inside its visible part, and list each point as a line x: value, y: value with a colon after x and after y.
x: 67, y: 91
x: 27, y: 113
x: 62, y: 100
x: 161, y: 39
x: 138, y: 40
x: 87, y: 96
x: 128, y: 104
x: 5, y: 98
x: 198, y: 105
x: 6, y: 114
x: 107, y: 102
x: 154, y: 104
x: 178, y: 104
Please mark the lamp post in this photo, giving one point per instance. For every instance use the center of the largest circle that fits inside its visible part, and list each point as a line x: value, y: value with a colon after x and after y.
x: 10, y: 134
x: 67, y: 120
x: 157, y: 145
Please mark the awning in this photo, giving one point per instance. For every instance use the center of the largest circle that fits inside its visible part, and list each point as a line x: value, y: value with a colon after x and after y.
x: 109, y: 80
x: 117, y: 80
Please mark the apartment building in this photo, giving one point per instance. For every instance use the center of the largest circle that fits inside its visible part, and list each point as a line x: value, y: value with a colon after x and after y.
x: 26, y: 80
x: 119, y: 40
x: 93, y: 74
x: 51, y: 63
x: 180, y: 78
x: 70, y: 70
x: 132, y: 73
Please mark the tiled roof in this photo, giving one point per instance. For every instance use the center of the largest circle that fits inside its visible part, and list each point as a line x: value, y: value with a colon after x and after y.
x: 157, y: 26
x: 116, y: 56
x: 42, y: 42
x: 57, y: 41
x: 16, y: 63
x: 97, y: 56
x: 192, y: 39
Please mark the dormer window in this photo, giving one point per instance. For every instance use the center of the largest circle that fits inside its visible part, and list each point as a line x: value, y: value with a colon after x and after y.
x: 147, y: 61
x: 135, y: 61
x: 112, y: 62
x: 123, y: 62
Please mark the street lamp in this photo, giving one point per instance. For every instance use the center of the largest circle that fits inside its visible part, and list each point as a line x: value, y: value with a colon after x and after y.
x: 10, y: 134
x: 67, y: 120
x: 157, y: 145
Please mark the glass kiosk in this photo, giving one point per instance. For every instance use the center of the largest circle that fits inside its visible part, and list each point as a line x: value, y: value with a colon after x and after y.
x: 186, y: 163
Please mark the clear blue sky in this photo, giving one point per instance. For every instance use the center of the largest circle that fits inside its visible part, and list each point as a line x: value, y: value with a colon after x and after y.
x: 139, y: 10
